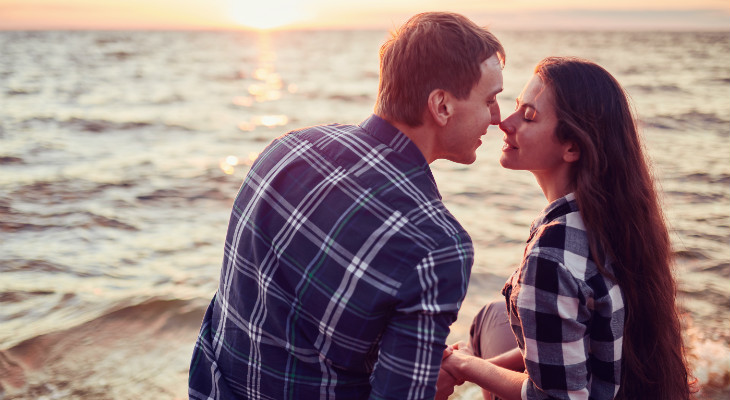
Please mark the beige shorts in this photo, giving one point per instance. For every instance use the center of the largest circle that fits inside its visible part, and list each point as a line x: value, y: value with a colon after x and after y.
x: 490, y: 333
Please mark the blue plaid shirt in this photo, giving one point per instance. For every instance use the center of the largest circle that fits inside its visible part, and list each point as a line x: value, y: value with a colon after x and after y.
x: 342, y: 273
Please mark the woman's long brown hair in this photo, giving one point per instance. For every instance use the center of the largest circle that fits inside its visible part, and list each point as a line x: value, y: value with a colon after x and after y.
x: 617, y: 199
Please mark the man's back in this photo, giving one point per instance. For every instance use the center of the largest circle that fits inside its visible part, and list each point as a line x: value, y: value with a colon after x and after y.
x: 342, y: 273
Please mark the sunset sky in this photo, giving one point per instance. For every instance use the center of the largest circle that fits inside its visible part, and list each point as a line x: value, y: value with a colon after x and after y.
x: 379, y: 14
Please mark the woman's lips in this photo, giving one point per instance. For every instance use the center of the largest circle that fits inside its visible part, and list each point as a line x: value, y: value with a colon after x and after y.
x: 507, y: 146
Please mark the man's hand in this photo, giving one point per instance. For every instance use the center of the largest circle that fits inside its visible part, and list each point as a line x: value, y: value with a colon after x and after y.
x: 446, y: 381
x: 445, y: 385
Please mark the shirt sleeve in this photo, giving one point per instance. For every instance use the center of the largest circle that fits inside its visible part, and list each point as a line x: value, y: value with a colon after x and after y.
x: 551, y: 306
x: 413, y: 342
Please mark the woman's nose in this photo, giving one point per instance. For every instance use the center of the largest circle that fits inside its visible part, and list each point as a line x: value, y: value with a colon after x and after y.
x: 506, y: 126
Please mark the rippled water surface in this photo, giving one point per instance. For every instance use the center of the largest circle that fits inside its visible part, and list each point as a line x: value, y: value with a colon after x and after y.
x: 121, y: 152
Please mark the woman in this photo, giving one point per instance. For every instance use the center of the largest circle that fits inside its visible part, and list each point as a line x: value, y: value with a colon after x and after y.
x: 592, y: 305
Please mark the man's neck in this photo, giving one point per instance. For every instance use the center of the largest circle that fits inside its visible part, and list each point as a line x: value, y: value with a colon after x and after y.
x: 422, y: 136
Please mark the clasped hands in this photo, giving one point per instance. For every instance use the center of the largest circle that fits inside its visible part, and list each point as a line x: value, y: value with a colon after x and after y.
x: 449, y: 375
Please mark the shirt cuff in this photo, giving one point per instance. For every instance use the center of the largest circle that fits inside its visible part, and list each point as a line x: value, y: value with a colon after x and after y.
x: 523, y: 392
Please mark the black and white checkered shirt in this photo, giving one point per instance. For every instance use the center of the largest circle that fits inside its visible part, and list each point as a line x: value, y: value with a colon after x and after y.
x: 568, y: 318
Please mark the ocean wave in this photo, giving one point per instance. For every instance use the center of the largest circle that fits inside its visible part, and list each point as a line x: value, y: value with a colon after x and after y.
x: 147, y: 317
x: 20, y: 265
x: 63, y: 191
x: 354, y: 98
x: 21, y: 92
x: 699, y: 198
x: 104, y: 125
x: 7, y: 160
x: 97, y: 126
x: 230, y: 77
x: 121, y: 346
x: 60, y: 193
x: 722, y: 179
x: 722, y: 269
x: 120, y: 55
x: 689, y: 121
x: 645, y: 89
x: 17, y: 222
x: 16, y: 296
x: 691, y: 254
x: 186, y: 194
x: 175, y: 98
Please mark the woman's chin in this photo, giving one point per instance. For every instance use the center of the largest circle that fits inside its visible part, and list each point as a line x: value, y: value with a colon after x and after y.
x: 505, y: 163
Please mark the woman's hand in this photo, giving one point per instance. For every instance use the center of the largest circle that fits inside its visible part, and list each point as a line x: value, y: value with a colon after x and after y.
x: 463, y: 347
x: 458, y: 353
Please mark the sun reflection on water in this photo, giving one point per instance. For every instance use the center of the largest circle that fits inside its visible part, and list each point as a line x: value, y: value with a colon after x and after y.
x: 268, y: 86
x: 270, y: 121
x: 246, y: 126
x: 269, y: 83
x: 229, y: 163
x: 243, y: 101
x: 232, y: 160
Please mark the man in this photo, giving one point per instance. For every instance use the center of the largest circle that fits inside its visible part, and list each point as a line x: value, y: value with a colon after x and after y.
x: 343, y: 270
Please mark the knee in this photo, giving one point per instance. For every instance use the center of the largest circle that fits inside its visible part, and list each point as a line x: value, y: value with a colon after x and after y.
x: 490, y: 332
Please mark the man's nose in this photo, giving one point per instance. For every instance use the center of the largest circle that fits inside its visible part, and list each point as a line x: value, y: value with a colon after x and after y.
x: 496, y: 117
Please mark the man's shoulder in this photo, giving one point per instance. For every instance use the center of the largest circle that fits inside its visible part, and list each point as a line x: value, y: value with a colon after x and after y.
x: 379, y: 172
x: 331, y: 129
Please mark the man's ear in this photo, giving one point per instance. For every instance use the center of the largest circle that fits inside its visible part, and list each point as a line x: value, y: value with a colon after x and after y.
x: 572, y: 152
x: 439, y: 106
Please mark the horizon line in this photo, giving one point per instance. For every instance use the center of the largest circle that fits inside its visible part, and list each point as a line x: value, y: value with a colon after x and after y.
x: 711, y: 29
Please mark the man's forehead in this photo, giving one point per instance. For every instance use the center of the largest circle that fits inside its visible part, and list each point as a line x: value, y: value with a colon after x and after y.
x: 493, y: 62
x: 492, y: 74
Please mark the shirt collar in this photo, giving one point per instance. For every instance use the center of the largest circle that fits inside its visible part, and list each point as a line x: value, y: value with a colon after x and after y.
x: 558, y: 208
x: 385, y: 132
x: 389, y: 135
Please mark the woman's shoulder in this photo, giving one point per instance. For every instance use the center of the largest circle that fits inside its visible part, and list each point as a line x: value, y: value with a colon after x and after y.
x: 564, y: 232
x: 564, y: 241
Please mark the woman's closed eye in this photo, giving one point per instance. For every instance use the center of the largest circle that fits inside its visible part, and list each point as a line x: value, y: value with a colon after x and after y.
x: 529, y: 113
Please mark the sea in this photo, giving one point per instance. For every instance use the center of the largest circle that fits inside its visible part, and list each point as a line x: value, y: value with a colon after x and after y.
x: 121, y: 153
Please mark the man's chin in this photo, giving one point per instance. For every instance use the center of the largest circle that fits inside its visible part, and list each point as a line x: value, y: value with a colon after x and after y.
x: 466, y: 160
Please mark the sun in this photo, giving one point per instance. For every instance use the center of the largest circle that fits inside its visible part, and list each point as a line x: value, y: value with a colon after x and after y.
x: 265, y: 14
